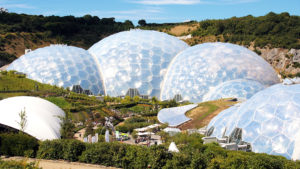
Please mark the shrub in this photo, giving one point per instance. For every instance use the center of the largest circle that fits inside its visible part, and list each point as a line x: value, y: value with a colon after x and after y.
x: 61, y: 149
x: 51, y: 150
x: 18, y: 165
x: 18, y: 145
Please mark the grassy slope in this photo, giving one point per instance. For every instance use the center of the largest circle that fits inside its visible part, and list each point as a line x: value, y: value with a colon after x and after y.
x: 12, y: 85
x: 205, y: 111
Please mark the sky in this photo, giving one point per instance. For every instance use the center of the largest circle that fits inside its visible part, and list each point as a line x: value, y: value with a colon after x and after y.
x: 153, y: 11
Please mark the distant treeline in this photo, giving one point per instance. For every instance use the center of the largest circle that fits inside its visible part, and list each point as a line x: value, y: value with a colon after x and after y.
x: 277, y: 30
x: 88, y: 28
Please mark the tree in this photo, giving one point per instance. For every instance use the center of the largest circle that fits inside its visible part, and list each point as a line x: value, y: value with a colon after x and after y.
x: 67, y: 127
x: 3, y: 10
x: 23, y: 120
x: 142, y: 22
x: 136, y: 99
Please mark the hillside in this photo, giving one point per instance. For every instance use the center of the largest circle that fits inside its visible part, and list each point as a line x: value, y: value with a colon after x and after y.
x: 204, y: 112
x: 272, y: 36
x: 20, y: 31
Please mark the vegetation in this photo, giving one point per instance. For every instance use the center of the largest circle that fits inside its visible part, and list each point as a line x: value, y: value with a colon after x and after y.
x: 274, y: 30
x: 18, y: 165
x: 201, y: 115
x: 18, y: 145
x: 193, y: 154
x: 135, y: 122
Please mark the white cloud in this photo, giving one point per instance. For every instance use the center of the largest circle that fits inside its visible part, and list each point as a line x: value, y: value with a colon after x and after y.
x: 12, y: 4
x: 190, y: 2
x: 134, y: 14
x: 167, y: 2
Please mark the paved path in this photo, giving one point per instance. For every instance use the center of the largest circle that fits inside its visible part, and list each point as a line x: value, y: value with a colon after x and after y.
x: 58, y: 164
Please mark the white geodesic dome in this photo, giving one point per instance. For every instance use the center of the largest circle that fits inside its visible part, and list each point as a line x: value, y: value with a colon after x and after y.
x: 241, y: 88
x: 43, y: 117
x: 270, y: 120
x: 136, y: 59
x: 61, y: 65
x: 198, y: 69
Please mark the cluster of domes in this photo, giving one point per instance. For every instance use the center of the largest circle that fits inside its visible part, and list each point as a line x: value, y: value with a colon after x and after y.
x: 198, y: 70
x: 155, y: 63
x: 270, y: 120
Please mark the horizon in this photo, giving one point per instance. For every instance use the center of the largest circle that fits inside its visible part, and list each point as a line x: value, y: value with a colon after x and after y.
x: 154, y: 11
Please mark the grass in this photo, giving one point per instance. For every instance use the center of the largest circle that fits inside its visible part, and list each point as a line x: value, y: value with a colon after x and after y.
x: 201, y: 115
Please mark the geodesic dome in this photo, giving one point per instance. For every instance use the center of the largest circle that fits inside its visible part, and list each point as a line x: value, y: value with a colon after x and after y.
x: 43, y: 120
x: 196, y: 70
x: 136, y: 59
x: 61, y: 65
x: 240, y: 88
x: 270, y: 120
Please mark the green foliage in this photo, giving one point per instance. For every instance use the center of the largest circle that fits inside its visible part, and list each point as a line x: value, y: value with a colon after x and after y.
x: 277, y: 30
x: 67, y: 129
x: 18, y: 144
x: 67, y: 29
x: 134, y: 122
x: 61, y: 149
x: 18, y: 165
x: 60, y: 102
x: 6, y: 57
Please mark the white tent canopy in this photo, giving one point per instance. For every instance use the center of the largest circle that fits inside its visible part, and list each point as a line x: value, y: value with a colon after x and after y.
x: 42, y: 116
x: 173, y: 148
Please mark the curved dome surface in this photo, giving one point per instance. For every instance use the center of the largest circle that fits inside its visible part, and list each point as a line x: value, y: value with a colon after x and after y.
x: 61, y: 65
x: 240, y: 88
x: 270, y: 120
x: 43, y: 120
x: 196, y: 70
x: 136, y: 59
x: 175, y: 116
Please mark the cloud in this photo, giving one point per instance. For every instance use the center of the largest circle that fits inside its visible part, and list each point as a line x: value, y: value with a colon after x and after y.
x: 134, y: 14
x: 167, y: 2
x: 10, y: 4
x: 190, y: 2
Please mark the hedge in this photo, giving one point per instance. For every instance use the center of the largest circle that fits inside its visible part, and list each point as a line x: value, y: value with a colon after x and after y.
x: 193, y: 154
x: 61, y: 149
x: 18, y: 145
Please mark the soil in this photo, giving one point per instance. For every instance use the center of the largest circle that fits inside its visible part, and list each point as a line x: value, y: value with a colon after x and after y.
x: 59, y: 164
x: 197, y: 114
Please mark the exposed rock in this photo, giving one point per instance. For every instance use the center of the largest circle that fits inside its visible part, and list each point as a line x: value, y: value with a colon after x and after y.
x: 283, y: 60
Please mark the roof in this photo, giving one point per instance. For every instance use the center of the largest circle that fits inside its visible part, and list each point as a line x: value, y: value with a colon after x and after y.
x: 43, y: 120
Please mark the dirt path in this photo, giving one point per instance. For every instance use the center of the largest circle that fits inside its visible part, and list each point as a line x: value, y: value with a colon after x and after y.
x: 58, y: 164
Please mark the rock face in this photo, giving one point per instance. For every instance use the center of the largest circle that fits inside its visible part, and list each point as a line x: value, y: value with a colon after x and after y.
x: 283, y: 60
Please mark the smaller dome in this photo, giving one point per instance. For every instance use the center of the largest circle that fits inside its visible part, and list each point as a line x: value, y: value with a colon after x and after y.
x: 196, y: 70
x: 43, y: 117
x: 270, y: 120
x: 61, y: 65
x: 240, y: 88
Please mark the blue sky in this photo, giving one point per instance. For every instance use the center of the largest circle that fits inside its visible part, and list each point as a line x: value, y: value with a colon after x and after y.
x: 158, y: 11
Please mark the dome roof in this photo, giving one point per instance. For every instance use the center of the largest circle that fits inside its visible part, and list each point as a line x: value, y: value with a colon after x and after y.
x: 196, y: 70
x: 43, y: 120
x: 269, y: 120
x: 175, y: 116
x: 61, y: 65
x: 136, y: 59
x: 240, y: 88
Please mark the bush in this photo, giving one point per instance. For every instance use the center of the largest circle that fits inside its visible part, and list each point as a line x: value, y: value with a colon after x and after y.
x: 61, y: 149
x: 18, y: 145
x: 18, y: 165
x: 51, y: 150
